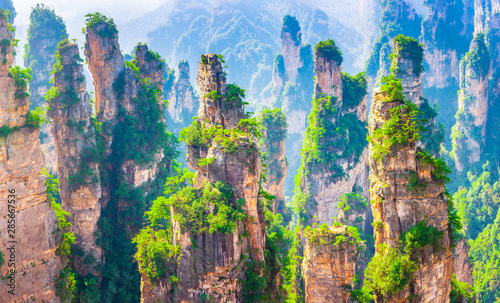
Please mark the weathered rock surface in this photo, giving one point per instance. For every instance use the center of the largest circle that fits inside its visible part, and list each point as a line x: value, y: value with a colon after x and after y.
x: 74, y: 134
x: 183, y: 103
x: 322, y: 182
x: 329, y: 265
x: 21, y: 164
x: 46, y: 30
x: 397, y: 209
x: 462, y: 267
x: 214, y: 268
x: 273, y: 144
x: 469, y: 133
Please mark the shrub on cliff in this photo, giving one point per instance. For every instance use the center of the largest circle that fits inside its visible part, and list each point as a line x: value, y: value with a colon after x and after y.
x: 329, y: 50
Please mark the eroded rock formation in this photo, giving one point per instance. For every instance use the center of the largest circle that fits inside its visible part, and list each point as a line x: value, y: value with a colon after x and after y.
x: 273, y: 144
x: 469, y: 133
x: 45, y: 31
x: 74, y: 133
x: 23, y: 193
x: 334, y: 160
x: 214, y: 267
x: 329, y: 264
x: 406, y: 188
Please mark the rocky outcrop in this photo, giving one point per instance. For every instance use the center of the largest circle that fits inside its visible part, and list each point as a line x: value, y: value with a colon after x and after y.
x: 183, y: 103
x: 292, y: 88
x: 273, y: 145
x: 214, y: 268
x: 329, y: 264
x: 462, y: 266
x: 407, y: 189
x: 45, y: 31
x: 33, y: 229
x: 78, y: 155
x: 334, y: 159
x: 469, y: 133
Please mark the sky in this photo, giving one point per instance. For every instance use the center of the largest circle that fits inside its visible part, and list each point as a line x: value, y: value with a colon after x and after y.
x: 73, y: 13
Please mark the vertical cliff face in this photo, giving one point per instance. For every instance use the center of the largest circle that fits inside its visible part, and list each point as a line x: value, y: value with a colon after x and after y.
x: 136, y: 150
x: 334, y: 150
x: 45, y: 32
x: 80, y: 189
x: 462, y: 266
x: 183, y: 103
x: 329, y: 264
x: 446, y: 32
x: 292, y: 88
x: 211, y: 259
x: 407, y: 194
x: 469, y: 133
x: 34, y: 226
x: 273, y: 145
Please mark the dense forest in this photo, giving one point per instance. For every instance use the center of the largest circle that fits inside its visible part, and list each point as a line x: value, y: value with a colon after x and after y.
x: 286, y: 173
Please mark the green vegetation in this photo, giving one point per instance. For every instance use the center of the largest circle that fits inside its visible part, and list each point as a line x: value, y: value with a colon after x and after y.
x: 433, y: 134
x: 8, y: 10
x: 329, y: 50
x: 2, y: 260
x: 21, y: 79
x: 392, y: 268
x: 274, y: 124
x: 94, y: 22
x: 279, y: 65
x: 36, y: 117
x: 408, y: 47
x: 44, y: 25
x: 461, y: 291
x: 354, y: 89
x: 202, y: 136
x: 209, y: 208
x: 291, y: 25
x: 402, y: 128
x: 6, y: 130
x: 477, y: 60
x: 485, y: 255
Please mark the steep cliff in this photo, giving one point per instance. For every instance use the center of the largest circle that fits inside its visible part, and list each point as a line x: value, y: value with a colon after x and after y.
x: 329, y: 264
x: 182, y: 101
x: 29, y: 233
x: 273, y: 145
x: 398, y: 17
x: 446, y: 33
x: 78, y: 155
x: 216, y: 234
x: 45, y: 31
x: 137, y: 151
x: 334, y: 150
x: 409, y: 204
x: 292, y: 89
x: 469, y: 133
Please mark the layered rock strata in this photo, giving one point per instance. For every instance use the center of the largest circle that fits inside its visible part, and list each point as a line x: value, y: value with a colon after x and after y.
x: 80, y: 189
x: 329, y: 265
x: 29, y: 242
x: 45, y: 31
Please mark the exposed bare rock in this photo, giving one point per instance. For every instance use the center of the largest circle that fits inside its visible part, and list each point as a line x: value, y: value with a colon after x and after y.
x: 183, y: 103
x: 214, y: 268
x: 329, y: 264
x: 45, y: 32
x: 74, y: 134
x: 469, y: 133
x: 396, y: 209
x: 462, y: 267
x: 21, y: 164
x: 326, y: 179
x: 273, y: 144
